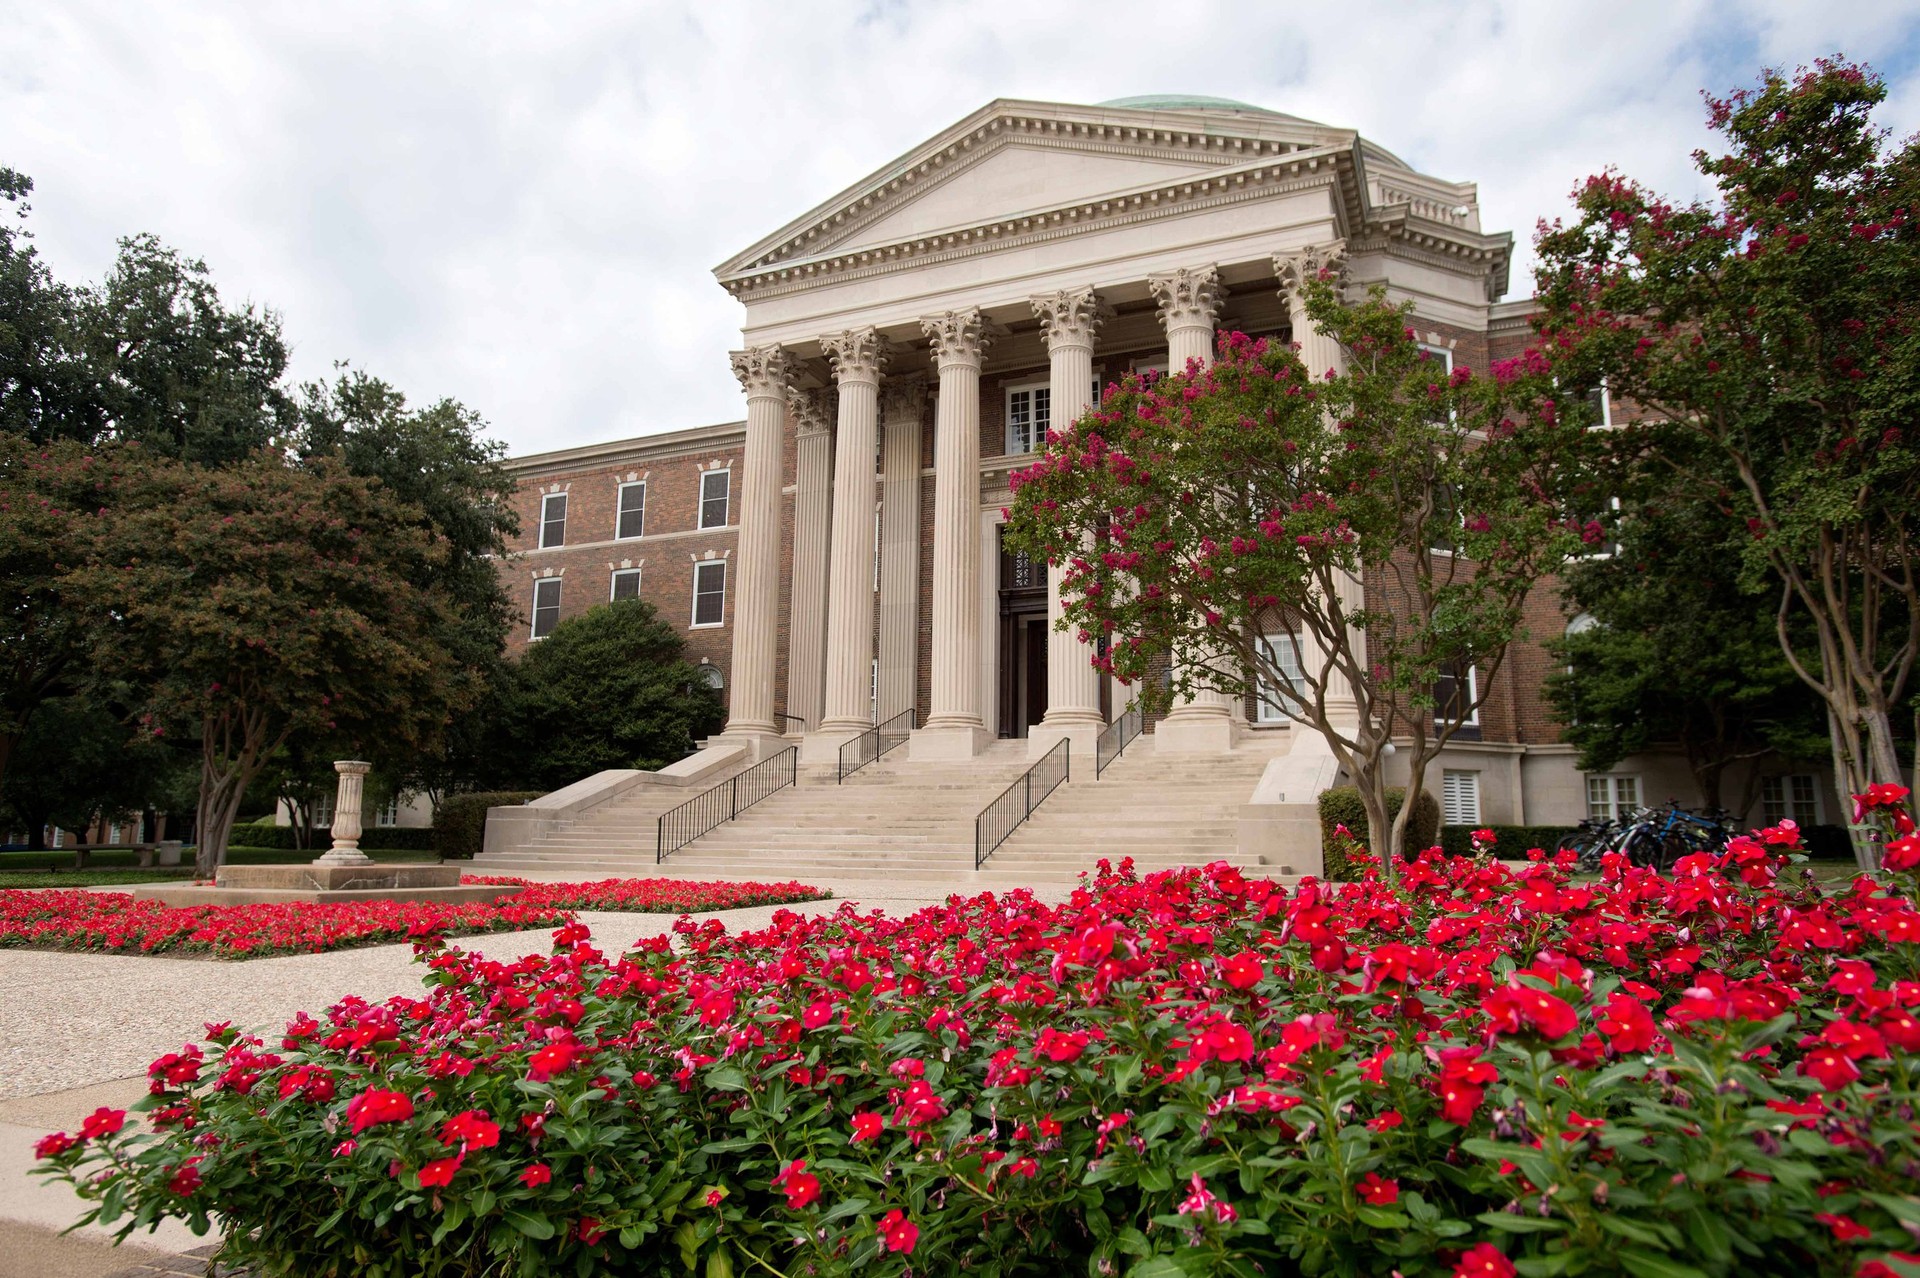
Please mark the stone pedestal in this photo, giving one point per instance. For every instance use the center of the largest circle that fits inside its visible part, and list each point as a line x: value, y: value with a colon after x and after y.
x: 822, y: 748
x: 947, y: 744
x: 318, y: 883
x: 1196, y: 728
x: 346, y: 815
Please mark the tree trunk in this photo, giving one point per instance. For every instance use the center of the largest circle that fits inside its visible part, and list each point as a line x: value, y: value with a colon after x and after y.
x: 1846, y: 782
x: 1370, y: 779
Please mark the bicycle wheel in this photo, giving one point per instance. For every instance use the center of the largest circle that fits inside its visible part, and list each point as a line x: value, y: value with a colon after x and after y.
x: 1643, y: 849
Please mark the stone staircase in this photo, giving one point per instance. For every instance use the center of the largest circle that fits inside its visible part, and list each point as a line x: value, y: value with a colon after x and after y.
x: 1163, y: 810
x: 900, y: 820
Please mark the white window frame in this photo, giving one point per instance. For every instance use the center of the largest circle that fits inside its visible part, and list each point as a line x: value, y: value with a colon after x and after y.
x: 1267, y: 708
x: 1782, y: 794
x: 620, y: 511
x: 1036, y: 427
x: 1157, y: 367
x: 534, y: 633
x: 387, y: 817
x: 547, y: 521
x: 1473, y: 698
x: 1613, y: 806
x: 703, y: 566
x: 1606, y: 406
x: 1466, y: 783
x: 613, y: 583
x: 322, y: 810
x: 725, y: 475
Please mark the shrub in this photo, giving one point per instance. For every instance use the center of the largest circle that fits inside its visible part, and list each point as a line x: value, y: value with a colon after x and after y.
x: 1485, y: 1071
x: 1341, y: 806
x: 1510, y: 841
x: 266, y: 834
x: 460, y: 822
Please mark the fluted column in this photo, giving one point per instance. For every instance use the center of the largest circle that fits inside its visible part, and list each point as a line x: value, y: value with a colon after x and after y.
x: 812, y: 515
x: 901, y: 406
x: 346, y: 815
x: 1189, y: 301
x: 1069, y: 320
x: 955, y: 727
x: 763, y: 372
x: 1322, y: 353
x: 857, y: 357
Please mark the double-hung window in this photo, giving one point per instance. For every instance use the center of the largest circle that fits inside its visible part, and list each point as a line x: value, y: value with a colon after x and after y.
x: 546, y: 606
x: 709, y: 592
x: 626, y: 584
x: 1795, y: 798
x: 631, y: 521
x: 389, y: 814
x: 1610, y: 798
x: 322, y: 810
x: 1283, y: 651
x: 553, y: 520
x: 1455, y: 694
x: 1029, y: 414
x: 715, y: 487
x: 1459, y: 798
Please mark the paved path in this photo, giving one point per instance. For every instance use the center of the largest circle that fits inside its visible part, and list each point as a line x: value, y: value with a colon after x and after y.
x: 77, y: 1032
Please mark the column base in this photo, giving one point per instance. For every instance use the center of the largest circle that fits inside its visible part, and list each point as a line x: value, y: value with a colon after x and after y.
x: 1081, y: 733
x: 338, y: 855
x: 821, y: 748
x: 1184, y: 732
x: 761, y: 743
x: 945, y: 743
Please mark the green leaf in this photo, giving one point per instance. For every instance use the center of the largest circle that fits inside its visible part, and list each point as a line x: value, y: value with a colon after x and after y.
x: 1646, y: 1264
x: 1512, y: 1224
x: 1381, y: 1218
x: 718, y: 1265
x: 538, y: 1228
x: 725, y: 1078
x: 1157, y: 1267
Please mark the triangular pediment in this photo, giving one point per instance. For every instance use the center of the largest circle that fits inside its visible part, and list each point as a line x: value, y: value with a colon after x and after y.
x: 1018, y: 177
x: 1012, y: 158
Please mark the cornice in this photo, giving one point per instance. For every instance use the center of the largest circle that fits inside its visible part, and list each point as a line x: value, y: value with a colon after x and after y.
x: 696, y: 441
x: 1266, y: 179
x: 1396, y: 232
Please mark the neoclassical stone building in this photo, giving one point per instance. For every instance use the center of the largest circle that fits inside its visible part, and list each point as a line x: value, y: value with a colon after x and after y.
x: 905, y: 347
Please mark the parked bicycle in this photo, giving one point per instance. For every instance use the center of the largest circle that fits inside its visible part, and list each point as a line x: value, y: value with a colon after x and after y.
x: 1652, y: 837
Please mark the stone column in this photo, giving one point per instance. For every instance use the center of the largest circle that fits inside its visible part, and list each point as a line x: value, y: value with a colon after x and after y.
x: 1322, y: 354
x: 955, y: 728
x: 1190, y: 301
x: 857, y: 356
x: 346, y: 815
x: 763, y: 372
x: 812, y: 511
x: 901, y: 405
x: 1068, y: 320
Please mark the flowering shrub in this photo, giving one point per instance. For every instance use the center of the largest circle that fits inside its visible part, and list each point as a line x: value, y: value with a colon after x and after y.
x: 655, y: 896
x: 1482, y: 1073
x: 116, y: 923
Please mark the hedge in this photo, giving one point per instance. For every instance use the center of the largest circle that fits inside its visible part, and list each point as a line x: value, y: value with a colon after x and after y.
x: 1511, y: 842
x: 1341, y: 806
x: 460, y: 823
x: 265, y: 834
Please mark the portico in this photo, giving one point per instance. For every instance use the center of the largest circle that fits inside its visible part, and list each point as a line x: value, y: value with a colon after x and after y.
x: 916, y: 336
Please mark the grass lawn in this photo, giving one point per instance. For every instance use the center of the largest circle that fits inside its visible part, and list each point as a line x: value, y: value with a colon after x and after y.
x: 111, y: 858
x: 90, y: 878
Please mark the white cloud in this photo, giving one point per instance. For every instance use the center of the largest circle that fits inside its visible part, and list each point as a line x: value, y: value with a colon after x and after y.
x: 521, y: 205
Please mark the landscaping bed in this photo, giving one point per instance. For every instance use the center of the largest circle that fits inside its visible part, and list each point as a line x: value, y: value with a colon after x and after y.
x: 1480, y: 1072
x: 655, y: 896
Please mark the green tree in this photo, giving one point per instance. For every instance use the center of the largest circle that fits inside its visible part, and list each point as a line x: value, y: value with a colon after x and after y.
x: 611, y: 688
x: 79, y: 760
x: 1680, y: 653
x: 258, y: 602
x: 1772, y: 331
x: 1225, y: 503
x: 46, y: 389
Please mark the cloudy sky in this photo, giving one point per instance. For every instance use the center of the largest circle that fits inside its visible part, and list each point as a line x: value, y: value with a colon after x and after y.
x: 521, y: 205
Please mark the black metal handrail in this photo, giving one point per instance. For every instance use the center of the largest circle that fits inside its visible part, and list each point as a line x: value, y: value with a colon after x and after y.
x: 999, y: 819
x: 1115, y: 737
x: 682, y: 825
x: 790, y: 720
x: 875, y: 741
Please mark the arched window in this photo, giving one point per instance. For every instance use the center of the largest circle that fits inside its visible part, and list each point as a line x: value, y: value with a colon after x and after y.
x: 710, y: 676
x: 1581, y: 624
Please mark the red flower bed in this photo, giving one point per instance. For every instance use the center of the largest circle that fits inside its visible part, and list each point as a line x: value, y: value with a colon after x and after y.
x: 656, y: 896
x: 1485, y: 1073
x: 115, y: 923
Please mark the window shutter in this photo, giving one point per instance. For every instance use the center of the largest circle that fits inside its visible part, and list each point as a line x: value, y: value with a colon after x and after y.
x: 1460, y: 798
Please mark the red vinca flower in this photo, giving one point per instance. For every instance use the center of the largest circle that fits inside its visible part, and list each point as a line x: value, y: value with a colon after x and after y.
x: 897, y: 1233
x: 797, y: 1184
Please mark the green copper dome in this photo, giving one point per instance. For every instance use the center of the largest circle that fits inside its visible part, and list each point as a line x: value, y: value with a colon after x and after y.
x: 1184, y: 102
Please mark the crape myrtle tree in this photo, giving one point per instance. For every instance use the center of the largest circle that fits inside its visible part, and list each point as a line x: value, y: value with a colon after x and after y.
x: 1774, y: 326
x: 1226, y: 503
x: 1681, y: 652
x: 258, y: 601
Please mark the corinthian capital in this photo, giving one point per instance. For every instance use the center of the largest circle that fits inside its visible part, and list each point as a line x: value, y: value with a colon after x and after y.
x: 958, y: 337
x: 903, y: 398
x: 1070, y: 317
x: 1294, y: 269
x: 1189, y: 297
x: 763, y: 371
x: 815, y: 409
x: 858, y: 354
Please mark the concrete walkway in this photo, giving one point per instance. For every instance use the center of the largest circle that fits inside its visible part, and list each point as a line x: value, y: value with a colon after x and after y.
x: 78, y: 1030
